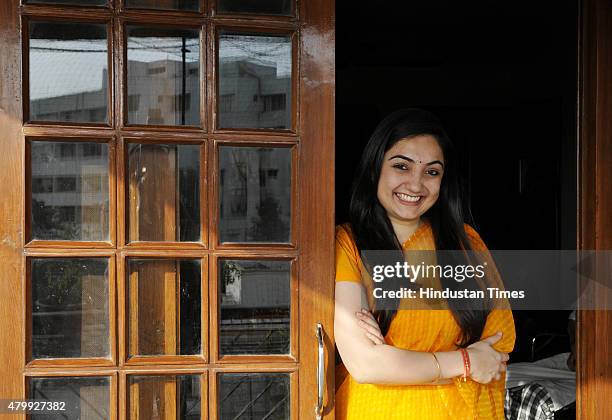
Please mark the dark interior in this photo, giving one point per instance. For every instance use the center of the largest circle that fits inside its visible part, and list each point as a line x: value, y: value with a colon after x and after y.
x: 502, y: 76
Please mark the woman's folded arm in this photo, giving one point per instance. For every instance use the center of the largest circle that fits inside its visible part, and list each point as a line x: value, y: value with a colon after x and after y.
x: 383, y: 364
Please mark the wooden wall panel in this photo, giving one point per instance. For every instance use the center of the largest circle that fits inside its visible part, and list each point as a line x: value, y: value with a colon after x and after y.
x: 594, y: 369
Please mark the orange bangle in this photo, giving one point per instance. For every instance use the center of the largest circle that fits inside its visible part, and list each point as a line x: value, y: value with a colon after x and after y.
x: 466, y: 364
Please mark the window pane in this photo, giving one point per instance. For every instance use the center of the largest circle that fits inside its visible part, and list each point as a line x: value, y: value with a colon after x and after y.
x: 164, y: 192
x: 68, y: 72
x: 70, y: 198
x: 164, y: 397
x: 85, y: 397
x: 69, y: 298
x: 254, y: 194
x: 191, y: 5
x: 255, y: 301
x: 164, y: 307
x: 254, y: 81
x: 265, y: 7
x: 254, y: 396
x: 163, y: 72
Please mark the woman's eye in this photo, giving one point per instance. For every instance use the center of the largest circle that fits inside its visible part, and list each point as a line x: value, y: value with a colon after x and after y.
x: 433, y: 172
x: 401, y: 166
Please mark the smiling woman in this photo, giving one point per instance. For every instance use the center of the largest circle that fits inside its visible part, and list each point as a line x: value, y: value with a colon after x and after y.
x: 409, y: 165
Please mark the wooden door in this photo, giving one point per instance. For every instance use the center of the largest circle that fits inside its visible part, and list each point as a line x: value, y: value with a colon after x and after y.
x: 167, y: 207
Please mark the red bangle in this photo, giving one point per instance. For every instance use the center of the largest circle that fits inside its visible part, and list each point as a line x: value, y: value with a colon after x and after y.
x: 466, y: 364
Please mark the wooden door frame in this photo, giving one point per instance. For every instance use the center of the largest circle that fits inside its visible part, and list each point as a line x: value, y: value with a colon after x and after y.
x: 317, y: 198
x: 12, y: 334
x: 594, y: 332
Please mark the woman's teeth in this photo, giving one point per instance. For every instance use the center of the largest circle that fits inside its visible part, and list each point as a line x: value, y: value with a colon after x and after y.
x: 406, y: 197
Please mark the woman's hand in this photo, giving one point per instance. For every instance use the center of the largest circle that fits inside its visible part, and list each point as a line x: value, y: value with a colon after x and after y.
x: 370, y: 326
x: 487, y: 364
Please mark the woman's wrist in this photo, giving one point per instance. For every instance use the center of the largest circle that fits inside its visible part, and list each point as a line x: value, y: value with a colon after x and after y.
x: 467, y: 365
x: 451, y: 364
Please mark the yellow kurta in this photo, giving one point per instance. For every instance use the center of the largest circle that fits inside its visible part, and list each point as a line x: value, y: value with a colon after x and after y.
x: 420, y: 330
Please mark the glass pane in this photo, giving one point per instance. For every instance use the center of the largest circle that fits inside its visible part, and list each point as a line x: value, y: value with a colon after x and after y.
x: 255, y: 301
x: 254, y: 81
x: 70, y: 315
x: 191, y: 5
x: 164, y: 307
x: 164, y: 192
x: 84, y: 397
x: 254, y: 396
x: 68, y: 72
x: 254, y: 194
x: 70, y: 198
x: 164, y: 397
x: 265, y: 7
x: 163, y: 76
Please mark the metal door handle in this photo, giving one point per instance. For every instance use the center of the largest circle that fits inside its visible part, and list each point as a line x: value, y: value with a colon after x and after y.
x: 320, y: 373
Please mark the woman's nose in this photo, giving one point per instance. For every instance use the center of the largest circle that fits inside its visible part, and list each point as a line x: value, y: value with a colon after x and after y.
x: 413, y: 181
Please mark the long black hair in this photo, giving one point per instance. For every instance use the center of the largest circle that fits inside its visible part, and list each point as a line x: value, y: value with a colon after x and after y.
x: 372, y: 228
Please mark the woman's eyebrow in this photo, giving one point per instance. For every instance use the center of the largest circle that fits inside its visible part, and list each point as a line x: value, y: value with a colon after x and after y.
x: 409, y: 159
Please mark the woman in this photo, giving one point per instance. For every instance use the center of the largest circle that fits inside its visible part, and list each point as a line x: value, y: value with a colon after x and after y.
x: 412, y: 364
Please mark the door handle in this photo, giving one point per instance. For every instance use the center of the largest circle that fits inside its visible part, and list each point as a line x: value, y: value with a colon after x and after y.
x: 320, y: 372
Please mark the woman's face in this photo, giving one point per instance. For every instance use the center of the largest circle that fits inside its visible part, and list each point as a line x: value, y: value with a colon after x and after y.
x: 410, y: 178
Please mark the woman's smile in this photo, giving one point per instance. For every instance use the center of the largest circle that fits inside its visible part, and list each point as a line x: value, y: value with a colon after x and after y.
x: 407, y: 199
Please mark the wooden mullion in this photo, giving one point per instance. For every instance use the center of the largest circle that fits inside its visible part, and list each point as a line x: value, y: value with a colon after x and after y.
x: 162, y: 15
x: 263, y: 24
x: 162, y: 18
x: 67, y: 12
x: 133, y: 311
x: 165, y: 369
x: 67, y: 252
x: 171, y: 308
x: 121, y: 5
x: 68, y: 132
x: 203, y: 194
x: 213, y: 399
x: 162, y: 245
x: 254, y: 137
x: 203, y: 83
x: 121, y: 189
x: 205, y: 330
x: 247, y: 253
x: 211, y: 149
x: 204, y: 393
x: 170, y: 396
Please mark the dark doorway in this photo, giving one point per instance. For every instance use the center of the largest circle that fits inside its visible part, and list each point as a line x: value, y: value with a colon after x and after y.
x: 503, y: 79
